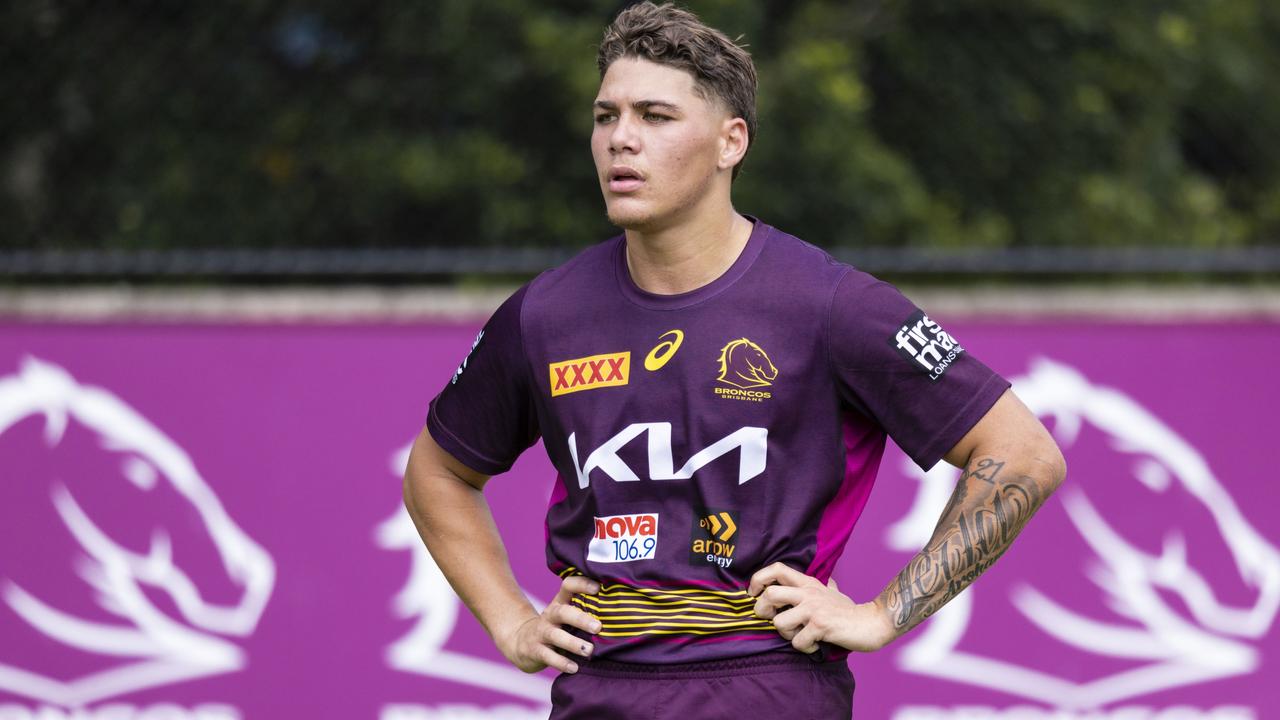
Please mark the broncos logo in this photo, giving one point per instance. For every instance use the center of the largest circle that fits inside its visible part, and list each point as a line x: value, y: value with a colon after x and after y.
x: 1154, y: 577
x: 745, y: 365
x: 116, y: 557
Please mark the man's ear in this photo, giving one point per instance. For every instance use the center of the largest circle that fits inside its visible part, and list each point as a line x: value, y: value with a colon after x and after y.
x: 733, y: 142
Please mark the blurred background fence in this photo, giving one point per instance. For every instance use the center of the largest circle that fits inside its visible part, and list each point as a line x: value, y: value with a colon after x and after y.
x: 429, y: 140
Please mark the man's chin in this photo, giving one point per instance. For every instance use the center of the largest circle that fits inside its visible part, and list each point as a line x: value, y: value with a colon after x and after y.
x: 630, y: 218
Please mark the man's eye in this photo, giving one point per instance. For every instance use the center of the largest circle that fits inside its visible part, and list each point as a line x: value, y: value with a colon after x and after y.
x: 604, y: 117
x: 655, y: 117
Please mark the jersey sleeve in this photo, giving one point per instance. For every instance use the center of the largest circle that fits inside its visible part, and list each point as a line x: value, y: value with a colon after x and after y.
x: 485, y: 415
x: 899, y: 367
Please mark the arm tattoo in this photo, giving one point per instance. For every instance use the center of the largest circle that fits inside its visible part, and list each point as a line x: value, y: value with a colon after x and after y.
x: 984, y: 515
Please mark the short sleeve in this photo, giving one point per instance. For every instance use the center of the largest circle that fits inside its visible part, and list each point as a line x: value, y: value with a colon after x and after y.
x: 485, y: 415
x: 899, y: 367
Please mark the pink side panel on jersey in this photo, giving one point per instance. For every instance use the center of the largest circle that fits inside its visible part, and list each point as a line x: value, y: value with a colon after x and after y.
x: 559, y: 491
x: 864, y: 444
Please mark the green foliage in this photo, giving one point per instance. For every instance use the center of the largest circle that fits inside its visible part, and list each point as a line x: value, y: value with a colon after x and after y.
x: 465, y: 122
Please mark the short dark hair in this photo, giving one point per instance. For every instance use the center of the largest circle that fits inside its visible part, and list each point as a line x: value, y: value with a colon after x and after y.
x: 670, y: 35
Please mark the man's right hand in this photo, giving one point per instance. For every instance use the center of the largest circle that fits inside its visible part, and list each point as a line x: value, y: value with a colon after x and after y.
x: 532, y: 645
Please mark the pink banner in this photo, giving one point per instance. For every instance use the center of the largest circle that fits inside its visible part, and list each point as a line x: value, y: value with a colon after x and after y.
x: 206, y: 522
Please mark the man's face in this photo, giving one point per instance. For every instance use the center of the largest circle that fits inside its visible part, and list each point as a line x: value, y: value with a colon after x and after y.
x: 657, y: 144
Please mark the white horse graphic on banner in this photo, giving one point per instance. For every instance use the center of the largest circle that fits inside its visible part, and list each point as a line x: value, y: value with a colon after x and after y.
x: 102, y: 605
x: 1198, y: 638
x: 428, y: 597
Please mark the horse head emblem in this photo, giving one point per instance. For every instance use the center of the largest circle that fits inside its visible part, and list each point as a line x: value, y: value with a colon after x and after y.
x: 118, y: 555
x: 744, y: 364
x: 1144, y: 576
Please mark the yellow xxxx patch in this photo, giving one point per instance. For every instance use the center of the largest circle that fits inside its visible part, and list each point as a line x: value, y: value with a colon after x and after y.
x: 588, y: 373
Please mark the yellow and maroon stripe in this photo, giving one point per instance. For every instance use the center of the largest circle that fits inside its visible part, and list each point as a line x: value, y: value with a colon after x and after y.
x: 630, y: 611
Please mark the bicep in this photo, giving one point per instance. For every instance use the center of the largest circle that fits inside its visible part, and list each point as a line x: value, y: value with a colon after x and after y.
x: 1008, y: 428
x: 427, y: 458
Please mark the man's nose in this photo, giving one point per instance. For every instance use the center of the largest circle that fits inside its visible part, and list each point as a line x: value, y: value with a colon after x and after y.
x: 623, y: 137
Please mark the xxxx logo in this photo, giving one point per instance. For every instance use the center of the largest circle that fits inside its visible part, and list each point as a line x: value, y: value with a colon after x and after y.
x: 588, y: 373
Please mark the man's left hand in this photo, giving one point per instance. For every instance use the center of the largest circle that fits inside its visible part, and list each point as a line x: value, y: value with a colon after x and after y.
x: 807, y: 612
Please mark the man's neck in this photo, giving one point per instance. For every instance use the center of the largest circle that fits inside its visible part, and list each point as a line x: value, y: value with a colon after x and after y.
x: 686, y: 256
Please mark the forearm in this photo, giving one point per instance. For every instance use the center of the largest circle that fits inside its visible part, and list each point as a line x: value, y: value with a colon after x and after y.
x: 457, y: 526
x: 1011, y: 465
x: 997, y: 493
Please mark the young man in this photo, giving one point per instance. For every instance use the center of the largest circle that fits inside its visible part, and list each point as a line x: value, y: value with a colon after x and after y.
x: 715, y: 396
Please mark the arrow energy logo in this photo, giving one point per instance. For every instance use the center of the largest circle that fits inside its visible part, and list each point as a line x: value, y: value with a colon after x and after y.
x: 711, y: 535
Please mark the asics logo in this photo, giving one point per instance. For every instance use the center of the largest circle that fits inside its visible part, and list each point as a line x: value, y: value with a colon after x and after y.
x: 663, y: 351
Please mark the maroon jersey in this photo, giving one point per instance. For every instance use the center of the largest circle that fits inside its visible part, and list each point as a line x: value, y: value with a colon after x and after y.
x: 702, y: 436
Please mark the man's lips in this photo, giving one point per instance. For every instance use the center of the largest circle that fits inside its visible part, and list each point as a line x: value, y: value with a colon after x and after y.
x: 624, y: 179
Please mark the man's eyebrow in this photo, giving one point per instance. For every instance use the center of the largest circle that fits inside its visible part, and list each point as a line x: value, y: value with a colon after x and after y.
x: 638, y: 105
x: 646, y: 104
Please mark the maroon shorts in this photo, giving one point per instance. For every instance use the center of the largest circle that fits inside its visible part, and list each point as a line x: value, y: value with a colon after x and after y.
x: 777, y: 684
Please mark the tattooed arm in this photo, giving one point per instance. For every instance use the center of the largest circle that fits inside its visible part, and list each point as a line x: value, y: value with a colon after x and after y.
x: 1010, y: 467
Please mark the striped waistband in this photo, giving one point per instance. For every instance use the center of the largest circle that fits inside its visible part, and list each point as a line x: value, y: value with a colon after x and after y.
x: 770, y: 662
x: 628, y: 611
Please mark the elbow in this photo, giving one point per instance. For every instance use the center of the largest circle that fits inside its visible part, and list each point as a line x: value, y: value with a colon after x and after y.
x: 415, y: 481
x: 1057, y: 467
x: 418, y: 477
x: 408, y: 495
x: 406, y: 492
x: 1059, y: 473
